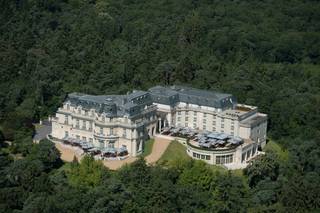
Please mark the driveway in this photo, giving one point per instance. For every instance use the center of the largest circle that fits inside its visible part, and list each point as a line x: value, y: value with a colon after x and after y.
x: 42, y: 131
x: 159, y: 147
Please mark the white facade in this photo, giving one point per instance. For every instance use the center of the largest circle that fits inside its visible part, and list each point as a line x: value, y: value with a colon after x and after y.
x: 128, y: 120
x: 243, y: 121
x: 102, y: 131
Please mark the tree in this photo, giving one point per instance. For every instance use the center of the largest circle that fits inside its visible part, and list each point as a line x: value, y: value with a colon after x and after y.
x: 1, y: 139
x: 137, y: 174
x: 229, y: 194
x: 47, y: 153
x: 198, y: 175
x: 264, y: 167
x: 88, y: 174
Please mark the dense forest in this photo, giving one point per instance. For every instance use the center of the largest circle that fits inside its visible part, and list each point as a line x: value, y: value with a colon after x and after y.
x: 266, y: 53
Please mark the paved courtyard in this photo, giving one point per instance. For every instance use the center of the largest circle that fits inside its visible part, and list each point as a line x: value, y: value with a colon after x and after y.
x: 159, y: 147
x: 42, y: 131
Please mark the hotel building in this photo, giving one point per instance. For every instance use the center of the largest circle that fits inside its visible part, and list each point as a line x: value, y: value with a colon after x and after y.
x: 128, y: 120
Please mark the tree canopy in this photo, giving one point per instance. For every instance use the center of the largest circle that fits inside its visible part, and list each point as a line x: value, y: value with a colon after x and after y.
x: 266, y: 53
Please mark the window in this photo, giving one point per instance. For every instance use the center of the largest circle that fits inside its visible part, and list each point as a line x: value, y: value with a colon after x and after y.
x: 214, y: 116
x: 195, y: 113
x: 84, y: 125
x: 208, y: 157
x: 243, y: 157
x: 78, y: 137
x: 103, y: 119
x: 111, y: 131
x: 77, y: 123
x: 253, y: 150
x: 66, y: 134
x: 204, y: 127
x: 101, y: 143
x: 86, y: 113
x: 222, y: 126
x: 194, y: 155
x: 194, y: 119
x: 224, y: 159
x: 101, y: 130
x: 79, y: 111
x: 194, y: 125
x: 186, y: 118
x: 66, y: 119
x: 232, y: 127
x: 204, y: 120
x: 84, y: 138
x: 213, y: 123
x: 222, y: 119
x: 187, y: 112
x: 179, y: 119
x: 204, y: 115
x: 203, y: 157
x: 90, y: 140
x: 68, y: 106
x: 179, y: 112
x: 248, y: 154
x: 111, y: 144
x: 90, y: 125
x: 186, y: 125
x: 213, y: 129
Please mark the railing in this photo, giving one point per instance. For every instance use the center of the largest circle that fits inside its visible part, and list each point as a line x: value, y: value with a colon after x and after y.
x: 210, y: 149
x: 101, y: 135
x: 82, y: 128
x: 197, y: 109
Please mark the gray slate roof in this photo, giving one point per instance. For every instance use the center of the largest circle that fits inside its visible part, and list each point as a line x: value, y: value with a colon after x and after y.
x: 174, y: 94
x: 112, y: 105
x: 133, y: 103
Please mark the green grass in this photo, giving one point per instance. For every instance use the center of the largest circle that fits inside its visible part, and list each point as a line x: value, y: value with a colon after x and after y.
x: 147, y: 148
x: 174, y: 152
x: 65, y: 167
x: 37, y: 126
x: 274, y: 147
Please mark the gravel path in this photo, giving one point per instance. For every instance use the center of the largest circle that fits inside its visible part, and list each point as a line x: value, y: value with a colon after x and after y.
x: 67, y: 152
x: 159, y: 147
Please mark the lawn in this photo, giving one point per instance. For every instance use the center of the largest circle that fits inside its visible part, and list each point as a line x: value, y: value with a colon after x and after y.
x: 276, y: 148
x: 174, y: 152
x: 147, y: 147
x: 37, y: 126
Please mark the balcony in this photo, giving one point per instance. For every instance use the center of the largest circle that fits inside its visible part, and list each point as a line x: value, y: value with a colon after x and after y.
x: 104, y: 136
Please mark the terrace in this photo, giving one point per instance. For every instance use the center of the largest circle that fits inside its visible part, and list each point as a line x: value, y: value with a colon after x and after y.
x: 99, y: 153
x: 204, y: 140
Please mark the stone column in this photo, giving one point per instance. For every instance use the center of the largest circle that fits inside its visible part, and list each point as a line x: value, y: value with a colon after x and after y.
x: 159, y: 125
